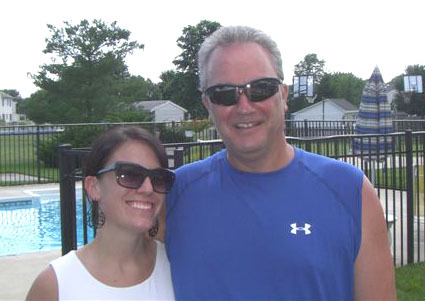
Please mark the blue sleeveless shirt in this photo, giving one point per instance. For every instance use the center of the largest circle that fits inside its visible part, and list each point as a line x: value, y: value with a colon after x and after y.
x: 289, y: 234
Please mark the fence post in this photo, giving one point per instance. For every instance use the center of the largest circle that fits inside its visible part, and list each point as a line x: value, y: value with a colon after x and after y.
x: 409, y: 193
x: 38, y: 156
x: 305, y: 128
x: 173, y: 124
x: 67, y: 200
x: 178, y: 157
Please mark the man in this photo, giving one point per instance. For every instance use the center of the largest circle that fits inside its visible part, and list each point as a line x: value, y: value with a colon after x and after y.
x: 262, y: 219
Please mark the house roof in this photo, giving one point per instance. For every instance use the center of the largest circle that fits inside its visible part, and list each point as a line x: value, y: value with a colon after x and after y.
x: 339, y: 102
x: 4, y: 95
x: 343, y: 103
x: 152, y: 105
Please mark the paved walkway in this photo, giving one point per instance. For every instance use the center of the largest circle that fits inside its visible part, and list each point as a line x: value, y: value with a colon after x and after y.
x: 21, y: 192
x: 17, y: 273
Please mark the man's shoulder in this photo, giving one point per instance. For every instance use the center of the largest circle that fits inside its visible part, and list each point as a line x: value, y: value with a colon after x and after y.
x: 197, y: 169
x: 328, y: 167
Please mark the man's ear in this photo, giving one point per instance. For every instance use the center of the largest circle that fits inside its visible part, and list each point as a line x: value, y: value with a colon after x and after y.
x: 206, y: 103
x: 91, y: 185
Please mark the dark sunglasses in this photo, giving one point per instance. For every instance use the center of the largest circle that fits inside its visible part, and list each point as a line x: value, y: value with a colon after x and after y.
x: 256, y: 90
x: 131, y: 175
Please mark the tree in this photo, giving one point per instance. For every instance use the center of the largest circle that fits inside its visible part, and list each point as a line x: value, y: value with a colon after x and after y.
x: 182, y: 89
x: 136, y: 88
x: 311, y: 65
x: 333, y: 85
x: 12, y: 92
x: 190, y: 42
x: 341, y: 85
x: 414, y: 103
x: 88, y: 60
x: 181, y: 86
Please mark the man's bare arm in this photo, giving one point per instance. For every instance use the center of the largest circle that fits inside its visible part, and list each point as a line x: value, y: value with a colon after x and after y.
x: 374, y: 269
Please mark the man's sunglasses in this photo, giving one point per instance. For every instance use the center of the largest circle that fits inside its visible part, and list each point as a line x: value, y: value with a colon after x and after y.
x: 131, y: 175
x: 256, y: 90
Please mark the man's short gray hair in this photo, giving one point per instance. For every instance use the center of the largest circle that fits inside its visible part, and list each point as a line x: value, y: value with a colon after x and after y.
x: 229, y: 35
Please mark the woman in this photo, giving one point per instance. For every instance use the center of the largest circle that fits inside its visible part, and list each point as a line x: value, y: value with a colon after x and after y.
x: 126, y: 177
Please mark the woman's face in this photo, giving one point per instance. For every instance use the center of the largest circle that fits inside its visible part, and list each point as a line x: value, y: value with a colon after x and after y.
x: 135, y: 209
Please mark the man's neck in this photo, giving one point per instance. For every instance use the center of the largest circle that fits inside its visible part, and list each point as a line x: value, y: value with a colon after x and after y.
x: 262, y: 162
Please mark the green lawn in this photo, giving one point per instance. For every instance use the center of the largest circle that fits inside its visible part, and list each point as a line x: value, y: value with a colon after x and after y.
x: 18, y: 154
x: 410, y: 282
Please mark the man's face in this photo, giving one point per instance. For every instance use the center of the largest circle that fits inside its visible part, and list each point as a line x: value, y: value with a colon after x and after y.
x: 246, y: 127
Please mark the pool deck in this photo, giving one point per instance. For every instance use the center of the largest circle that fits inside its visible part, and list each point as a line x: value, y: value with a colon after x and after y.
x: 20, y: 192
x: 19, y: 271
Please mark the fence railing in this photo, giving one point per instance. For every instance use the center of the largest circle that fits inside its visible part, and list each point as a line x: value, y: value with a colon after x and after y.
x: 397, y: 173
x: 28, y: 154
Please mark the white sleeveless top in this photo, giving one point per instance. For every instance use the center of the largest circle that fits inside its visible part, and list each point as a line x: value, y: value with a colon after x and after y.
x: 76, y: 283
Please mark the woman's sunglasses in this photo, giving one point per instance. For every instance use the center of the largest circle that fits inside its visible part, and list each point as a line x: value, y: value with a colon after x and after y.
x: 131, y: 175
x: 256, y: 90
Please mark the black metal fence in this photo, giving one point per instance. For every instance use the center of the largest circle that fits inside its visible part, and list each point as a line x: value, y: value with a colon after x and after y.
x: 398, y: 175
x: 28, y: 154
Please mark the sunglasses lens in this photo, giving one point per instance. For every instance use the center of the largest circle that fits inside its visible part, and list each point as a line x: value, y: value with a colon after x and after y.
x: 224, y: 95
x: 162, y: 180
x: 262, y: 89
x: 258, y: 90
x: 130, y: 176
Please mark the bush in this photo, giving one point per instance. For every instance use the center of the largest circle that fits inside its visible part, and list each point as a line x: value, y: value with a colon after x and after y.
x: 76, y: 136
x: 172, y: 134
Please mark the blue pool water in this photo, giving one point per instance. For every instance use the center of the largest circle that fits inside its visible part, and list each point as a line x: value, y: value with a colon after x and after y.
x: 34, y: 226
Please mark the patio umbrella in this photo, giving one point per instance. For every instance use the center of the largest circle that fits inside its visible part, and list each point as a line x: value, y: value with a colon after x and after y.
x: 374, y: 117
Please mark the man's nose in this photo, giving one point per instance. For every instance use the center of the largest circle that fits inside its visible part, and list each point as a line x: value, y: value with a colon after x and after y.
x: 244, y: 104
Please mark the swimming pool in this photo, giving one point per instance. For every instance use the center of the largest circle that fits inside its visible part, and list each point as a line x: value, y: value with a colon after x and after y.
x: 34, y: 225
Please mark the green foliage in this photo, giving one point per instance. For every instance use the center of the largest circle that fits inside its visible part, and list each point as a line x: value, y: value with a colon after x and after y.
x: 87, y: 62
x: 410, y: 281
x: 332, y: 85
x: 181, y: 86
x: 182, y: 89
x: 413, y: 104
x: 190, y: 42
x: 172, y: 134
x: 76, y: 136
x: 296, y: 104
x: 311, y: 65
x: 11, y: 92
x: 197, y: 125
x: 341, y: 85
x: 136, y: 88
x: 128, y: 114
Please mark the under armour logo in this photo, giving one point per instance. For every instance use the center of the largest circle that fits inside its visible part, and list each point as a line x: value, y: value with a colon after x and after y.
x: 295, y: 229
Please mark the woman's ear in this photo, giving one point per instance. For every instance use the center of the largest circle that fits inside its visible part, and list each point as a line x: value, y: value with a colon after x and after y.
x: 91, y: 185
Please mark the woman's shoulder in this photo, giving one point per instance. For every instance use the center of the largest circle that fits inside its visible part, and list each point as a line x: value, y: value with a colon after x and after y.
x: 44, y: 286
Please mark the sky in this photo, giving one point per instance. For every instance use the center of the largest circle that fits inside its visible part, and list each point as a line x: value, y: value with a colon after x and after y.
x: 350, y: 36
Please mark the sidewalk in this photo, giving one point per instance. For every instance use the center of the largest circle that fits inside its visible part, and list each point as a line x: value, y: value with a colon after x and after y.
x: 19, y: 271
x: 19, y: 192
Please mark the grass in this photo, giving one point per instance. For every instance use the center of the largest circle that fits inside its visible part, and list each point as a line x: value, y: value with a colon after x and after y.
x: 410, y: 282
x: 418, y: 188
x: 18, y: 154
